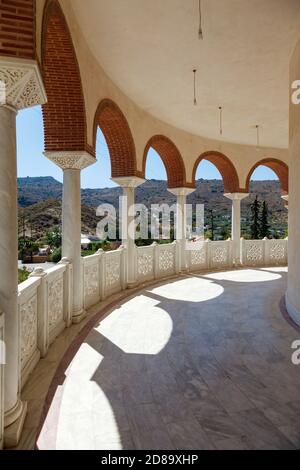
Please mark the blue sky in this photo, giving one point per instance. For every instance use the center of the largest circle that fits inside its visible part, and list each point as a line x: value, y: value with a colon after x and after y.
x: 31, y: 162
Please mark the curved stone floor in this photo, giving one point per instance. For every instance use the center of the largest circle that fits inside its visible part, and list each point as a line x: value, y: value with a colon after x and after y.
x: 200, y: 362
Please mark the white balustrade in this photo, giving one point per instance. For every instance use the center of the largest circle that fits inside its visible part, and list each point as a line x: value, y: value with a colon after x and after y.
x: 277, y: 252
x: 2, y: 360
x: 44, y: 306
x: 145, y: 263
x: 264, y: 252
x: 253, y: 252
x: 198, y: 255
x: 166, y: 260
x: 28, y: 326
x: 92, y: 279
x: 56, y: 313
x: 220, y: 254
x: 113, y: 272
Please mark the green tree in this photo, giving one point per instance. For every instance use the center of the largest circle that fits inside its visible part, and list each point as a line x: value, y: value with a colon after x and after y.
x: 255, y: 216
x: 53, y: 239
x: 225, y: 233
x: 264, y: 226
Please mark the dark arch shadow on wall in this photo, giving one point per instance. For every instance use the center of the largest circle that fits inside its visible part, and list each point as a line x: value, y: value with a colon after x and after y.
x: 118, y: 136
x: 280, y: 168
x: 64, y: 113
x: 225, y: 168
x: 171, y: 158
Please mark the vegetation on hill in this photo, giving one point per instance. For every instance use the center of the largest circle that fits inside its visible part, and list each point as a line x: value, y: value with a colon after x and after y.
x: 40, y: 204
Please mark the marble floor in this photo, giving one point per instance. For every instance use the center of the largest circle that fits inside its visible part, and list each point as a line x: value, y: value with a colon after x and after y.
x: 199, y: 362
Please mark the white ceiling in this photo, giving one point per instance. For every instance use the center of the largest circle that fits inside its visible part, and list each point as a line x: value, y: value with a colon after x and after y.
x: 150, y: 47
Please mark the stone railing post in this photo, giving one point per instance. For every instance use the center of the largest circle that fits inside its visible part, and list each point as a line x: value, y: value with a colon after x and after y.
x: 68, y: 291
x: 102, y: 273
x: 123, y: 267
x: 72, y: 163
x: 42, y: 311
x: 127, y: 214
x: 266, y: 249
x: 21, y: 87
x: 236, y: 199
x: 156, y: 259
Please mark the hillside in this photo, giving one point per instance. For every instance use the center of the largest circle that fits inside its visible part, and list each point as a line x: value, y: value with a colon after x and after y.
x: 40, y: 201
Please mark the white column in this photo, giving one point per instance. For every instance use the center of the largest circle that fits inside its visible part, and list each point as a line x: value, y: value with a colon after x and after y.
x: 181, y: 226
x: 236, y: 199
x: 293, y: 287
x: 72, y: 163
x: 127, y: 223
x: 20, y: 87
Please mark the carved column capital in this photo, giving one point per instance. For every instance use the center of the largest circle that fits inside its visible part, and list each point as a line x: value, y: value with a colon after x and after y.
x: 71, y: 160
x: 21, y: 84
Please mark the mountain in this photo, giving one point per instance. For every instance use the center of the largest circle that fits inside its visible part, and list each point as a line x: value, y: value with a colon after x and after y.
x: 40, y: 201
x: 32, y: 190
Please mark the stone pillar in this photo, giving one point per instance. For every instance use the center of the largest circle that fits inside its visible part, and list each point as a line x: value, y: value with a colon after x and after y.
x: 293, y: 287
x: 20, y: 87
x: 127, y: 222
x: 72, y: 163
x: 236, y: 199
x: 181, y: 226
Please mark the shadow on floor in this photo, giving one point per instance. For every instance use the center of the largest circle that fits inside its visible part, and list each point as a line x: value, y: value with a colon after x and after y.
x: 201, y: 362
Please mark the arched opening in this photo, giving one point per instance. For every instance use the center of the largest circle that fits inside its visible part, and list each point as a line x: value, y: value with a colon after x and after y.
x: 210, y: 189
x: 267, y: 182
x: 225, y: 168
x: 171, y: 159
x: 278, y: 167
x: 116, y: 131
x: 64, y: 113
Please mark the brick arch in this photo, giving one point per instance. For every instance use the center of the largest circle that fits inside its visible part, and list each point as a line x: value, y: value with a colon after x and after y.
x: 171, y: 158
x: 225, y: 167
x: 17, y: 28
x: 280, y: 168
x: 118, y: 136
x: 64, y: 114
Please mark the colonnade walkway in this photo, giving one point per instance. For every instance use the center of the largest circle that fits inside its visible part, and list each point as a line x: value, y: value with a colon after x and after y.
x: 198, y: 362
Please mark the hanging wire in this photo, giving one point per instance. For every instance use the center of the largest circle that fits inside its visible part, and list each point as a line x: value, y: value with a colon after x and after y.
x: 200, y: 32
x: 257, y: 136
x: 221, y: 120
x: 195, y: 92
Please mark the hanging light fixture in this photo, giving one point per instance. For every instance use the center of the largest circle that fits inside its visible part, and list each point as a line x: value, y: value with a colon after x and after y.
x: 195, y: 92
x: 221, y: 120
x: 257, y: 137
x: 200, y: 32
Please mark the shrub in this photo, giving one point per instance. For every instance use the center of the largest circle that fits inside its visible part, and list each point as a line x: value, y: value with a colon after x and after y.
x: 23, y: 275
x: 56, y: 255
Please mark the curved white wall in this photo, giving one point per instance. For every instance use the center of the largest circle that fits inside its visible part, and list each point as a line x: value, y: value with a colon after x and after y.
x: 293, y: 291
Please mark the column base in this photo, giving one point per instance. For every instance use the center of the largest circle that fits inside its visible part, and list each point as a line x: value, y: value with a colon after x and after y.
x: 132, y: 284
x: 13, y: 430
x: 78, y: 317
x: 292, y: 311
